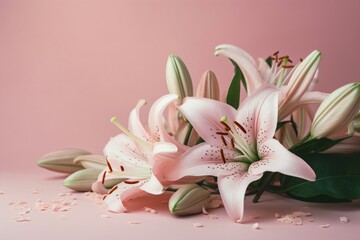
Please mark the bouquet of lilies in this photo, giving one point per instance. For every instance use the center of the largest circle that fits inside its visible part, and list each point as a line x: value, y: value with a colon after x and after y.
x: 203, y: 144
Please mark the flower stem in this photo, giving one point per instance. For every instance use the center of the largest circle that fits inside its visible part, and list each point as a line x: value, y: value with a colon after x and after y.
x: 268, y: 180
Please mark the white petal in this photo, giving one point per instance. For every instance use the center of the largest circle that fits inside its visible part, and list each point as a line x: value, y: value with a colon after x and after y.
x: 276, y: 158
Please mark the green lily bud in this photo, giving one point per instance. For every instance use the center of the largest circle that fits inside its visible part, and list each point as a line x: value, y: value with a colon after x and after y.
x: 91, y: 161
x: 355, y: 125
x: 337, y: 111
x: 178, y: 77
x: 82, y: 180
x: 62, y: 160
x: 189, y: 199
x: 208, y: 86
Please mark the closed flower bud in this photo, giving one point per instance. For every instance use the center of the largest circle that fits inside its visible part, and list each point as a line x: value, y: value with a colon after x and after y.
x: 189, y: 199
x: 91, y: 161
x: 62, y: 160
x: 337, y: 111
x: 208, y: 86
x: 82, y: 180
x: 178, y: 77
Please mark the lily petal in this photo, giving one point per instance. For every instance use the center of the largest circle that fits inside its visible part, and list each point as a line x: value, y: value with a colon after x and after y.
x: 205, y: 115
x: 232, y: 190
x: 205, y: 160
x: 156, y: 120
x: 276, y: 158
x: 258, y: 116
x: 135, y: 124
x: 123, y: 192
x: 245, y: 62
x: 153, y: 186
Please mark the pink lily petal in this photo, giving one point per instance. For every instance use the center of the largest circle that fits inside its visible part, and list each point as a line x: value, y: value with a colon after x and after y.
x: 246, y: 63
x: 205, y: 115
x: 156, y: 120
x: 153, y: 186
x: 264, y: 70
x: 124, y: 149
x: 232, y: 190
x: 205, y: 160
x: 135, y: 124
x: 303, y: 118
x: 276, y: 158
x: 98, y: 187
x: 123, y: 192
x: 258, y: 116
x: 307, y: 98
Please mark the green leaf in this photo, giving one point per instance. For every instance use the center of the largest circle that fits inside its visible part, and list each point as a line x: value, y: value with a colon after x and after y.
x: 337, y: 179
x: 268, y: 60
x: 233, y: 94
x: 314, y: 145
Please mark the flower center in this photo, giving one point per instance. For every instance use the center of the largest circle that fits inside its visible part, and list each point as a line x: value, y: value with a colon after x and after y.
x: 279, y: 69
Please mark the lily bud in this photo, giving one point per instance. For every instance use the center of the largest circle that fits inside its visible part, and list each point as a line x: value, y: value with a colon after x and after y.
x: 355, y: 125
x: 82, y: 180
x: 62, y: 160
x: 178, y: 77
x: 337, y: 111
x: 208, y: 86
x: 189, y: 199
x: 91, y: 161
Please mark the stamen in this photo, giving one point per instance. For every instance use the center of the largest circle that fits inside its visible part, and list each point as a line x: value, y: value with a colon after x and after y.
x: 301, y: 59
x: 239, y: 126
x: 113, y: 189
x: 222, y: 133
x: 227, y: 128
x: 103, y: 178
x: 289, y: 60
x: 286, y: 56
x: 275, y: 53
x: 222, y: 155
x: 288, y: 66
x: 131, y: 182
x: 104, y: 197
x: 232, y: 143
x: 223, y: 140
x: 109, y: 166
x: 132, y: 136
x: 280, y: 62
x: 122, y: 168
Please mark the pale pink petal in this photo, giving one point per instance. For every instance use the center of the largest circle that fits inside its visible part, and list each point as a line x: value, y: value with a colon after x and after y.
x: 156, y: 120
x: 115, y: 200
x: 135, y: 124
x: 153, y: 186
x: 232, y: 190
x: 258, y: 116
x: 264, y: 70
x: 205, y: 115
x: 122, y: 149
x: 98, y: 187
x: 276, y: 158
x: 205, y: 160
x: 303, y: 117
x: 246, y: 63
x: 307, y: 98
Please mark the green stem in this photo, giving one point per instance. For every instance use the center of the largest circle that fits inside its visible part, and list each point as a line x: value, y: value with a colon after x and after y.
x: 263, y: 186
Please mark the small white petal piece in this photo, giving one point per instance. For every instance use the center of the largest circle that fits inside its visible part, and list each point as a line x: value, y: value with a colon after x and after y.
x: 198, y: 225
x: 134, y: 222
x: 1, y: 192
x: 105, y: 216
x: 256, y: 226
x: 325, y: 225
x: 212, y: 216
x: 344, y: 220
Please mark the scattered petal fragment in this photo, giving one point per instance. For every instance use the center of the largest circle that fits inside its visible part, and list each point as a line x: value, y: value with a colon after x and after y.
x: 198, y: 225
x: 325, y: 225
x: 256, y: 226
x: 344, y: 220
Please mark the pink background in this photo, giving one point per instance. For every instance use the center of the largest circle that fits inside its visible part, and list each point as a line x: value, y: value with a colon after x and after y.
x: 66, y: 67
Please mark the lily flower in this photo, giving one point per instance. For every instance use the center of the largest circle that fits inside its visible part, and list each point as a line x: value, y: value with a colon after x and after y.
x: 293, y: 81
x: 139, y: 157
x: 239, y: 146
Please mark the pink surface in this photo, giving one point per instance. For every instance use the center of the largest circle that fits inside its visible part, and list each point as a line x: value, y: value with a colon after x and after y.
x: 67, y: 66
x: 84, y: 219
